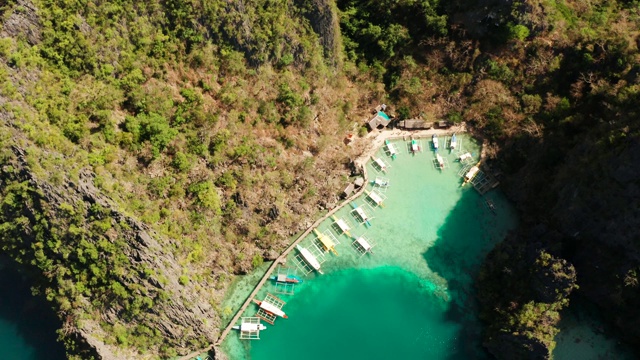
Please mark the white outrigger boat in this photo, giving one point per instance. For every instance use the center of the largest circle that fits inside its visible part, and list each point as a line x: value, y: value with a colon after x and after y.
x: 364, y: 244
x: 380, y: 182
x: 465, y: 157
x: 309, y: 258
x: 382, y: 166
x: 434, y: 138
x: 471, y: 174
x: 440, y: 161
x: 250, y: 327
x: 376, y: 197
x: 270, y: 308
x: 454, y: 142
x: 392, y: 151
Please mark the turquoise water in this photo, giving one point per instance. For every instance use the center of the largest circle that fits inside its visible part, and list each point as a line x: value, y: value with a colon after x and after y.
x: 412, y: 298
x: 27, y: 324
x: 410, y: 312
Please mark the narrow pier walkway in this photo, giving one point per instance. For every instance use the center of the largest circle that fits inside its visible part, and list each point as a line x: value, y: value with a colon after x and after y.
x: 282, y: 259
x: 360, y: 162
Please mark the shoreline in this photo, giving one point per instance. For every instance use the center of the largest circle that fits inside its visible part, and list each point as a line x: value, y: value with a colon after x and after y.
x: 377, y: 137
x: 372, y: 142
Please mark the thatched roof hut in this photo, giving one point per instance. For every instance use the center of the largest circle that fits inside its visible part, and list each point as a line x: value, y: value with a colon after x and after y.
x: 414, y: 124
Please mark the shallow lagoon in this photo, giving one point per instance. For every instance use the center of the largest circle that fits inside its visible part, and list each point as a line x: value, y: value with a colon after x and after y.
x: 414, y: 297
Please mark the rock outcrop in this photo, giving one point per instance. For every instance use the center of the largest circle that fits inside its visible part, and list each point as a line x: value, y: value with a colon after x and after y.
x: 23, y: 22
x: 587, y: 194
x: 322, y: 15
x: 522, y: 288
x: 140, y: 290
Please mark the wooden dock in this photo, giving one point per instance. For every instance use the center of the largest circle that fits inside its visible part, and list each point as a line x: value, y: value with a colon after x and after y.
x: 282, y: 259
x: 484, y: 182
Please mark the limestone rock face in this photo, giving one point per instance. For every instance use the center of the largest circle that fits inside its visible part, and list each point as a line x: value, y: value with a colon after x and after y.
x: 522, y: 288
x: 324, y: 20
x: 180, y: 311
x: 23, y: 23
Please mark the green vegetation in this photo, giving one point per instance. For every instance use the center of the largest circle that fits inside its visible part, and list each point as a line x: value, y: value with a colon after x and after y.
x: 199, y: 119
x: 522, y: 290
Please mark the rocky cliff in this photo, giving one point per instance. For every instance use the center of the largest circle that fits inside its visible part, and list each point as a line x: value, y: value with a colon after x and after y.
x: 323, y: 16
x: 522, y: 288
x: 582, y: 187
x: 89, y: 255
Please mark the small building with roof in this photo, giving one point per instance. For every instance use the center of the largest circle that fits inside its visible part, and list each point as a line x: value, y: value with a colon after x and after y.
x: 414, y: 124
x: 379, y: 121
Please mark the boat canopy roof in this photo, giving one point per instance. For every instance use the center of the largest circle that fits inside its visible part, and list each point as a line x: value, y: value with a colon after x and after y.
x: 343, y: 225
x: 375, y: 197
x: 249, y: 327
x: 325, y: 240
x: 361, y: 213
x: 472, y: 172
x: 365, y: 245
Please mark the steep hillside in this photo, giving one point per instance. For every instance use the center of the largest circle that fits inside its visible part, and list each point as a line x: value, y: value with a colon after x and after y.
x: 553, y: 86
x: 152, y: 150
x: 169, y: 146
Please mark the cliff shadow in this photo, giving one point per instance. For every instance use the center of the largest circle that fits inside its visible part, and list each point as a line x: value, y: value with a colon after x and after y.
x: 33, y: 317
x: 462, y: 244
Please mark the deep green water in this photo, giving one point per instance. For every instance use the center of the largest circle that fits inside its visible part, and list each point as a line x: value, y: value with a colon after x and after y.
x: 411, y: 299
x: 380, y: 313
x: 414, y: 297
x: 27, y: 324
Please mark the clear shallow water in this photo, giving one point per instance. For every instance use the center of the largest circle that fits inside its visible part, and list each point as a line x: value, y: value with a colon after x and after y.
x: 27, y: 324
x: 414, y: 297
x: 411, y: 299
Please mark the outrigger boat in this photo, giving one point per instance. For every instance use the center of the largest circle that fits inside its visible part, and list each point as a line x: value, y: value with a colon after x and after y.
x: 380, y: 182
x: 391, y: 148
x: 361, y: 213
x: 464, y: 157
x: 270, y: 308
x: 366, y: 247
x: 342, y: 225
x: 375, y: 197
x: 380, y: 164
x: 434, y: 138
x: 309, y: 258
x: 326, y: 241
x: 471, y: 174
x: 415, y: 146
x: 287, y: 278
x: 250, y: 327
x: 440, y: 161
x: 454, y: 142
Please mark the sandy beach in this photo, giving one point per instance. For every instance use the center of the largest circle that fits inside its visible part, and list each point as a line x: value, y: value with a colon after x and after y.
x: 375, y: 139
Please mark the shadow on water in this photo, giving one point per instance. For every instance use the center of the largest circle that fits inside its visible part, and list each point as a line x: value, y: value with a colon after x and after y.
x: 463, y: 242
x: 33, y: 317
